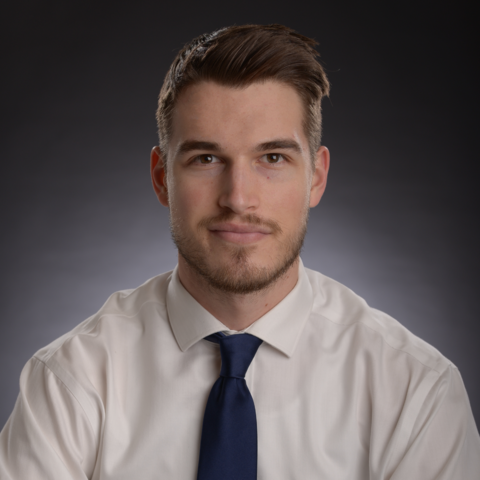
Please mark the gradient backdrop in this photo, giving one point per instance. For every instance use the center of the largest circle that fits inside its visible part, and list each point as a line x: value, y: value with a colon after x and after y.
x: 398, y: 223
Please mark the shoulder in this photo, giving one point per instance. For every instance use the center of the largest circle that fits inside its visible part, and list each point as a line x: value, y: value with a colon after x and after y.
x: 395, y: 379
x: 123, y: 313
x: 102, y: 351
x: 370, y: 329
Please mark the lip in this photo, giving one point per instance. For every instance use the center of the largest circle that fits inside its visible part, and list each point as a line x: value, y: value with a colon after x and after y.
x: 239, y: 228
x: 239, y: 233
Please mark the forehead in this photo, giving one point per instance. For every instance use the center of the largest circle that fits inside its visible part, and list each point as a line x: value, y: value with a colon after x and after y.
x: 238, y: 118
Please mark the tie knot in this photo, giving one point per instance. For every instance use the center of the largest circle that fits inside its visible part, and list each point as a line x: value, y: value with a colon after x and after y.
x: 237, y: 353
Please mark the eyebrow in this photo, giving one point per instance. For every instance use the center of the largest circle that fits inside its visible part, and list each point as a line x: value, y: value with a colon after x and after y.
x: 190, y: 145
x: 279, y: 144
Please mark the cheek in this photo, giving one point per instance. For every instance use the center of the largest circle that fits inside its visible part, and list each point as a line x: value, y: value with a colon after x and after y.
x: 191, y: 200
x: 287, y: 202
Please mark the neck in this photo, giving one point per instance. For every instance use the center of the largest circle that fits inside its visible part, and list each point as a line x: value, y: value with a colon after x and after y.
x: 236, y: 311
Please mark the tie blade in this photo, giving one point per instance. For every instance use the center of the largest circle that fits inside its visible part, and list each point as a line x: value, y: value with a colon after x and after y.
x: 228, y: 449
x: 229, y: 436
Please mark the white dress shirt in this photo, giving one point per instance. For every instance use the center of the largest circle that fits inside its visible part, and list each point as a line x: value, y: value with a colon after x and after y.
x: 342, y: 392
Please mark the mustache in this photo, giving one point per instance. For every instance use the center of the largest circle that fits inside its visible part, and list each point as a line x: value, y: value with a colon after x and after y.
x: 249, y: 218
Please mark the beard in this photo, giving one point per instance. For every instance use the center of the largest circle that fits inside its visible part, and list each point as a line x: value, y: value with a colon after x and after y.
x: 239, y: 274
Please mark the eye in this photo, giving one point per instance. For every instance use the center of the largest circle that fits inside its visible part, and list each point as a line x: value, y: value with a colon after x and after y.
x: 273, y: 158
x: 206, y: 159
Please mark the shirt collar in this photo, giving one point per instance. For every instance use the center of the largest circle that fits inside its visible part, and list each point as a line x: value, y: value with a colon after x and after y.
x: 280, y: 327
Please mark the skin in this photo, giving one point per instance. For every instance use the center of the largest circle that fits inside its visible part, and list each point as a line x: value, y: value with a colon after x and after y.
x: 237, y: 155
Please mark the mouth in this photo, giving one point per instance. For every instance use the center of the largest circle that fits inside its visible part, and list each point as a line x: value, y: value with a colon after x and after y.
x: 239, y: 233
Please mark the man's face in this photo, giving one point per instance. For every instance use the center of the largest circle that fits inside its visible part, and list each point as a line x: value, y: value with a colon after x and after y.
x: 239, y: 182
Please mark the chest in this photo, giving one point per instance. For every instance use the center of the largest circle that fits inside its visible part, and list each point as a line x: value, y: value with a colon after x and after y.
x: 307, y: 417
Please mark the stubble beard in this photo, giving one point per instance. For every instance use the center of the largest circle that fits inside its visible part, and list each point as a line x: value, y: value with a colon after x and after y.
x: 239, y: 275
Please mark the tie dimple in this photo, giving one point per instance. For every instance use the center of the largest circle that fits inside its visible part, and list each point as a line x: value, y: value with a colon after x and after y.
x: 237, y: 354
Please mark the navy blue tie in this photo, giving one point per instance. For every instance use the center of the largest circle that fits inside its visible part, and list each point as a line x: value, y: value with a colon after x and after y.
x: 228, y: 450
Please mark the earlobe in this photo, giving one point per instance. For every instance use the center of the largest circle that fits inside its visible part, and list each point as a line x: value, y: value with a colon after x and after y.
x: 158, y: 174
x: 319, y: 177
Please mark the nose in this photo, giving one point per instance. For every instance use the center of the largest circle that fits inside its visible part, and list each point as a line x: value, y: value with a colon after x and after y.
x: 239, y: 192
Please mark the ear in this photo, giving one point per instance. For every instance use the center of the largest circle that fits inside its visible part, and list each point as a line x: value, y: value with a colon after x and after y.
x: 319, y: 177
x: 159, y: 178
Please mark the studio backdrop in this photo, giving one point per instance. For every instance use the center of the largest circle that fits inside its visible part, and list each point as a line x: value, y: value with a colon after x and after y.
x: 398, y: 223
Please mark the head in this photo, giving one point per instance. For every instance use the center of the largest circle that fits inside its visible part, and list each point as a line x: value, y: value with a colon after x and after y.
x: 240, y: 160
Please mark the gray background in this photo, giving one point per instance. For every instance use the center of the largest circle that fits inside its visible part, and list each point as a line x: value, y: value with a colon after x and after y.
x: 398, y: 223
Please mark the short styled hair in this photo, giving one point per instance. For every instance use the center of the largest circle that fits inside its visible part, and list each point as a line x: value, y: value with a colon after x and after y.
x: 239, y: 56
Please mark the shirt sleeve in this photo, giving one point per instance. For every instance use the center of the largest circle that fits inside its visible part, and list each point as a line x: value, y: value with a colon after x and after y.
x: 48, y: 435
x: 444, y: 444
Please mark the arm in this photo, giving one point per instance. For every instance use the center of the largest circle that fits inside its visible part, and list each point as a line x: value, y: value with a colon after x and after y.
x: 48, y: 434
x: 444, y: 444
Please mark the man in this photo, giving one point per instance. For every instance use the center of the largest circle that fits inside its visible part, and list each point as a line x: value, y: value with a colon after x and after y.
x: 152, y: 386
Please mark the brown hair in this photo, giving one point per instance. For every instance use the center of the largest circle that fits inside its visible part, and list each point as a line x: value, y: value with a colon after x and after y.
x: 239, y: 56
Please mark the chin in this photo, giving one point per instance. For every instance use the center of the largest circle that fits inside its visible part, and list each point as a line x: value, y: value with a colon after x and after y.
x: 240, y: 273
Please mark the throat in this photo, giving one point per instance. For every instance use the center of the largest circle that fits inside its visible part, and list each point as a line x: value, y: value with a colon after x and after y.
x: 236, y: 310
